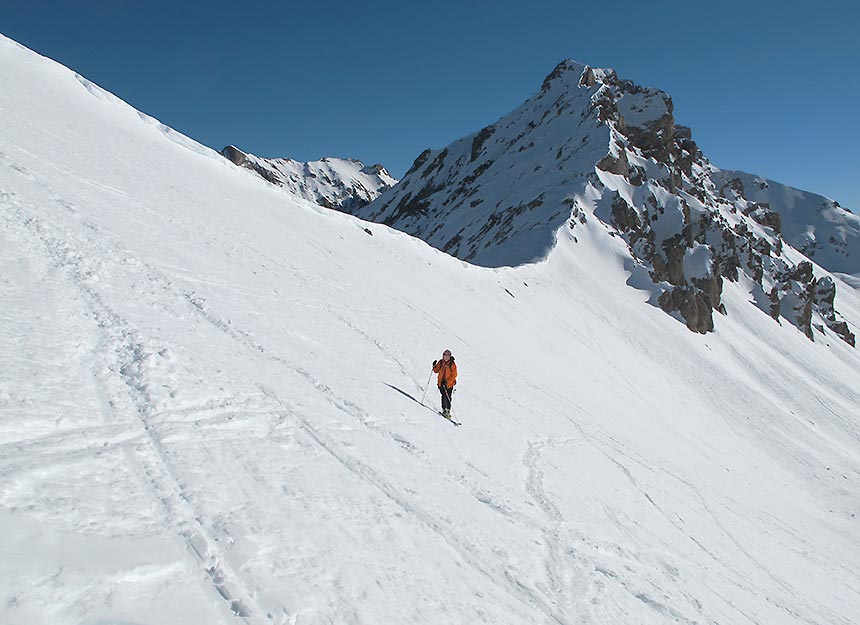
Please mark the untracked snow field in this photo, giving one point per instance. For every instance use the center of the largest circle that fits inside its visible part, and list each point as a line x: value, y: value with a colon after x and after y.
x: 210, y: 411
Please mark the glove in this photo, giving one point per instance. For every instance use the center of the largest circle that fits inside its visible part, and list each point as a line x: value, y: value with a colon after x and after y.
x: 434, y: 363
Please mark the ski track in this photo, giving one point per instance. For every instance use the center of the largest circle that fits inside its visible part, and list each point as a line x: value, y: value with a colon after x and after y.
x: 121, y: 354
x: 577, y: 573
x: 554, y: 610
x: 570, y: 571
x: 557, y: 586
x: 553, y: 533
x: 624, y: 451
x: 469, y: 553
x: 123, y: 350
x: 122, y: 343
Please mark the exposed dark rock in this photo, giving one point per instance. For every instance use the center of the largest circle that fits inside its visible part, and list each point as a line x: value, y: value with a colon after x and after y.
x: 762, y: 214
x: 674, y: 249
x: 587, y: 79
x: 775, y: 303
x: 238, y: 157
x: 712, y: 288
x: 804, y: 311
x: 412, y: 206
x: 825, y: 295
x: 478, y: 141
x: 693, y: 306
x: 615, y: 164
x: 841, y: 328
x: 604, y: 105
x: 234, y: 154
x: 437, y: 164
x: 801, y: 273
x: 374, y: 169
x: 623, y: 216
x: 418, y: 163
x: 637, y: 175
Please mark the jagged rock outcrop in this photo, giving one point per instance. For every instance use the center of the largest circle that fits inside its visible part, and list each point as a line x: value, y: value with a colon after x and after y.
x: 590, y: 145
x: 341, y: 184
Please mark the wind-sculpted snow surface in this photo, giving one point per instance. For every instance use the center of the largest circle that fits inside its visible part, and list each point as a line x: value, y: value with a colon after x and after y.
x: 591, y: 146
x: 210, y: 411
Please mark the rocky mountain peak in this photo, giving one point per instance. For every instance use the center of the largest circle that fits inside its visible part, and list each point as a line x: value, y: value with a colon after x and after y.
x: 376, y: 170
x: 566, y: 74
x: 592, y: 148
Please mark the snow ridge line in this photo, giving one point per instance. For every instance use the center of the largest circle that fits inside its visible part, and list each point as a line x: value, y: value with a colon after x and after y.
x: 125, y: 346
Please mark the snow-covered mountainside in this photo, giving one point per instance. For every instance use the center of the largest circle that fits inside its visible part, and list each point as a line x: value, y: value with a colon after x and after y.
x: 815, y: 226
x: 211, y: 411
x: 590, y: 146
x: 341, y: 183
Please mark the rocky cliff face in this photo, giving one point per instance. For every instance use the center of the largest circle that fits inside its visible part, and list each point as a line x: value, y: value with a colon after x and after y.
x: 590, y: 145
x: 342, y: 184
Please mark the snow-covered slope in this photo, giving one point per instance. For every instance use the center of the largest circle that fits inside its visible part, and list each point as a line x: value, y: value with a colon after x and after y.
x: 210, y: 411
x: 589, y: 145
x: 816, y: 226
x: 341, y: 183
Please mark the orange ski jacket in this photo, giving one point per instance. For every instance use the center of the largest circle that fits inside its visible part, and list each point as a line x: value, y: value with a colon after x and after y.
x: 447, y: 372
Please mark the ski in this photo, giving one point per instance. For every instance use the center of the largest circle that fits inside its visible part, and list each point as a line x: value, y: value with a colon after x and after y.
x: 449, y: 419
x: 434, y: 411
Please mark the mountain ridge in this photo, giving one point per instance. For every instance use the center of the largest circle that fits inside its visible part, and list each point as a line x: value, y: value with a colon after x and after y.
x: 590, y: 145
x: 211, y: 391
x: 344, y: 184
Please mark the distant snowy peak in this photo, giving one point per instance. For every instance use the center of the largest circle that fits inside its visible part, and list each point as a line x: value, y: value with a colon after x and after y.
x: 342, y: 184
x: 592, y: 146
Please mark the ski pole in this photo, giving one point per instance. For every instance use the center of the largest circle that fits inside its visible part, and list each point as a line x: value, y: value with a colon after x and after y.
x: 426, y: 387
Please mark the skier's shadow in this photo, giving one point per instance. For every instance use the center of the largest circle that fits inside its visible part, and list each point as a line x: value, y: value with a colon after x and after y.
x: 402, y: 392
x: 405, y: 394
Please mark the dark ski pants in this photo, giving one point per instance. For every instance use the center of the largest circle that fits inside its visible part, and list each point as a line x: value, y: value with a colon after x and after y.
x: 446, y: 396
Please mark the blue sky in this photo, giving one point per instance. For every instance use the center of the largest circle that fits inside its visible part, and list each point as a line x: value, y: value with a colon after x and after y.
x: 768, y: 87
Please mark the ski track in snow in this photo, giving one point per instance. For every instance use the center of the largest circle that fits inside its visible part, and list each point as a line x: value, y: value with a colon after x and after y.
x: 125, y: 344
x: 154, y: 463
x: 296, y: 494
x: 124, y: 350
x: 123, y: 341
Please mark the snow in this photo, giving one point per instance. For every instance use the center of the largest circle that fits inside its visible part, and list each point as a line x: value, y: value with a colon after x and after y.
x: 339, y: 183
x: 698, y: 263
x: 643, y: 109
x: 526, y: 170
x: 498, y: 198
x: 209, y: 411
x: 813, y: 224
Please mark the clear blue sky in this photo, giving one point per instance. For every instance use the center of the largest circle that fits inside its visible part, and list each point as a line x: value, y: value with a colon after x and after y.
x: 768, y: 87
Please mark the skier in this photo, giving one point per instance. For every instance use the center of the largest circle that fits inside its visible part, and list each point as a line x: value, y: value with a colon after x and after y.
x: 447, y: 378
